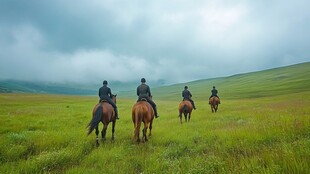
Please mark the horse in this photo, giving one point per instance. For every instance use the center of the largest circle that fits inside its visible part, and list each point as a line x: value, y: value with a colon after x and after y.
x: 185, y: 107
x: 214, y: 102
x: 103, y: 112
x: 142, y: 111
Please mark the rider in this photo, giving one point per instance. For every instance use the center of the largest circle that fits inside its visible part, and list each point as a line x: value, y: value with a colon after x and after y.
x: 214, y: 94
x: 106, y: 94
x: 143, y: 91
x: 186, y: 94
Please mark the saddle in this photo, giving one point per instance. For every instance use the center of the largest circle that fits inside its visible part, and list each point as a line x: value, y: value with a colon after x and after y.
x: 186, y: 99
x: 142, y: 99
x: 104, y: 100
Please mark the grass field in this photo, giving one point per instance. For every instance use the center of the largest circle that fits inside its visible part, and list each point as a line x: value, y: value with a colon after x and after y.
x: 47, y: 134
x: 262, y: 126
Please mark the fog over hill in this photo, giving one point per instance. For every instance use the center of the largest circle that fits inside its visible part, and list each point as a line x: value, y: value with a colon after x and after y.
x: 278, y: 79
x: 90, y: 41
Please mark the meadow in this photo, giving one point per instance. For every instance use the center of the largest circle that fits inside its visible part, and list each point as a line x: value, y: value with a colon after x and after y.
x: 262, y: 126
x: 47, y: 134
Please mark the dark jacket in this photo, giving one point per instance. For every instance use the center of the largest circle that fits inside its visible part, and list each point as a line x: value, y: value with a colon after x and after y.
x: 214, y: 92
x: 105, y: 93
x: 143, y: 90
x: 186, y: 94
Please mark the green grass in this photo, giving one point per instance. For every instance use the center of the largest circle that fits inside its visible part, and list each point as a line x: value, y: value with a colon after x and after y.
x: 262, y: 126
x: 47, y: 134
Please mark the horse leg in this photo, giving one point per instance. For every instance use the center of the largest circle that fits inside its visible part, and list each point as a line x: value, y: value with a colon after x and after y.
x: 104, y: 131
x: 185, y: 115
x: 151, y: 123
x: 97, y: 133
x: 113, y: 130
x: 189, y: 117
x: 144, y: 138
x: 137, y: 133
x: 181, y: 118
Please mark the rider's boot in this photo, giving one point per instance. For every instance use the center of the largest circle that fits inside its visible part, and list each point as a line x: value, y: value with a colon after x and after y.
x: 156, y: 114
x: 116, y: 113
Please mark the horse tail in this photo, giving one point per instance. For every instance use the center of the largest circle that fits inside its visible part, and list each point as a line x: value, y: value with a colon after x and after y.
x: 96, y: 119
x: 215, y: 100
x: 184, y: 108
x: 138, y: 114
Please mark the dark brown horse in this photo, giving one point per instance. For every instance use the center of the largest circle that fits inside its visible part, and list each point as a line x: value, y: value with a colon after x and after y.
x: 185, y: 108
x: 103, y: 112
x: 142, y: 111
x: 214, y: 102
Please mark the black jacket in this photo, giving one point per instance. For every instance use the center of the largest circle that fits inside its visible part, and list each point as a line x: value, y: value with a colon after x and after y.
x: 105, y: 92
x: 214, y: 92
x: 143, y: 90
x: 186, y: 94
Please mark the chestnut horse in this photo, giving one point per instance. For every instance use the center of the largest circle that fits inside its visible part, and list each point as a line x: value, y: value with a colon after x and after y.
x: 103, y: 112
x: 142, y: 111
x: 185, y: 107
x: 214, y: 102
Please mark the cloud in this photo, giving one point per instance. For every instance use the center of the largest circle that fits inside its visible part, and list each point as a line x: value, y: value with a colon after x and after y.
x: 177, y: 41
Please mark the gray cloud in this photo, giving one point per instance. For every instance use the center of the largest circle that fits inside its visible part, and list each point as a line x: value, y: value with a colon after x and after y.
x: 178, y: 41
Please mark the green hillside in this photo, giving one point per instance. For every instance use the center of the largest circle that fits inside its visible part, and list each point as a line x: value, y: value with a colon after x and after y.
x: 15, y: 86
x: 283, y: 80
x: 250, y: 133
x: 289, y: 79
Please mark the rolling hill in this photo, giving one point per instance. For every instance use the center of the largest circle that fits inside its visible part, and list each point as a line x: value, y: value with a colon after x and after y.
x: 277, y: 81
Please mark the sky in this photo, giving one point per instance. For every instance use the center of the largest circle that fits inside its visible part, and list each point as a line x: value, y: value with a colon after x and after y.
x: 173, y: 41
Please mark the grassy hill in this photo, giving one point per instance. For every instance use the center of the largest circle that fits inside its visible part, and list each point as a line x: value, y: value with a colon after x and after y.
x: 294, y: 78
x: 277, y: 81
x: 262, y: 126
x: 16, y: 86
x: 69, y: 88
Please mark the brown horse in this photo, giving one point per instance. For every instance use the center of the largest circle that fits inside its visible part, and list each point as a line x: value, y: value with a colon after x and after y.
x: 214, y: 102
x: 185, y: 107
x: 142, y: 111
x: 103, y: 112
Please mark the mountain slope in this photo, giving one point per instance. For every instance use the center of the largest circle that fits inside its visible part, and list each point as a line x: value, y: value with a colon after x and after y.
x: 15, y: 86
x: 277, y: 81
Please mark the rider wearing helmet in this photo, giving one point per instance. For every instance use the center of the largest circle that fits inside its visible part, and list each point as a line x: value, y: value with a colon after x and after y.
x: 143, y: 91
x: 186, y: 94
x: 106, y: 94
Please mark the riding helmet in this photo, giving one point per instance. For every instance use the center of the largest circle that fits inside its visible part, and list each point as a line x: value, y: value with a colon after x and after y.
x: 143, y: 80
x: 105, y: 82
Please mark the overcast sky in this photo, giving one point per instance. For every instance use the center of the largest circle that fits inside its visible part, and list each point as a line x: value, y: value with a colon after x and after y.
x: 174, y: 40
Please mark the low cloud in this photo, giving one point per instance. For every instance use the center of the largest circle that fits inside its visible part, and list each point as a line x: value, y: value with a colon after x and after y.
x: 124, y: 41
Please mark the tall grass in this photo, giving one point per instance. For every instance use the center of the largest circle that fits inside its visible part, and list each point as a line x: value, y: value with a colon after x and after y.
x: 47, y: 134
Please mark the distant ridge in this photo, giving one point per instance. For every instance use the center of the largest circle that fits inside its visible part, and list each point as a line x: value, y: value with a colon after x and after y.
x: 276, y: 81
x: 15, y: 86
